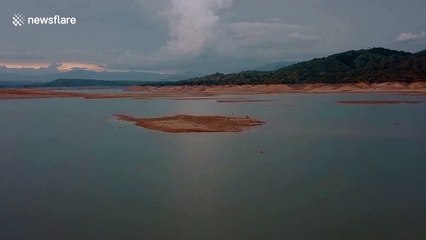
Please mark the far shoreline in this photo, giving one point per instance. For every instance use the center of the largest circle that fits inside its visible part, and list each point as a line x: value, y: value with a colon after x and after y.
x: 175, y: 92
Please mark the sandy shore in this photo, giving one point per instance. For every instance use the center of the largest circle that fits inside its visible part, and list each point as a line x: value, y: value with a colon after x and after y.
x: 194, y: 92
x: 390, y: 87
x: 193, y: 124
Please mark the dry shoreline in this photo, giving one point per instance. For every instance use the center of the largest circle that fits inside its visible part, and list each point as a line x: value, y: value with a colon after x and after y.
x: 192, y: 92
x: 371, y: 102
x: 193, y: 124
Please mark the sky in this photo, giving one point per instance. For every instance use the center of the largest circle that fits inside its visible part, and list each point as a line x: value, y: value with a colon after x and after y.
x: 173, y: 36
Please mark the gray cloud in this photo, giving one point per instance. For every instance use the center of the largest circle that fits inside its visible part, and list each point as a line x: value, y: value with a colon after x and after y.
x: 268, y: 40
x: 196, y: 28
x: 256, y: 32
x: 212, y: 35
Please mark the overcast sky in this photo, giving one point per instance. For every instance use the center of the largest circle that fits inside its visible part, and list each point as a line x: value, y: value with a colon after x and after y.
x: 206, y: 35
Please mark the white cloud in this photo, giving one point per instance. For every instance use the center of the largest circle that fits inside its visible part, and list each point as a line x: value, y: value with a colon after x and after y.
x: 192, y: 25
x: 411, y: 37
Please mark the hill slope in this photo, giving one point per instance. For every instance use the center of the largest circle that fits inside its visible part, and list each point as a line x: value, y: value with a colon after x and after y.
x: 369, y: 65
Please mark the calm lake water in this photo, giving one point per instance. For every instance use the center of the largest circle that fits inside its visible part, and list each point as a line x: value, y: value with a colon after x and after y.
x: 69, y: 170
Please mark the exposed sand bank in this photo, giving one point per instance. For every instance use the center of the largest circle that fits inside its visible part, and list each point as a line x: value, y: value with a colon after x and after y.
x: 379, y: 102
x: 192, y: 124
x: 241, y: 100
x: 194, y: 92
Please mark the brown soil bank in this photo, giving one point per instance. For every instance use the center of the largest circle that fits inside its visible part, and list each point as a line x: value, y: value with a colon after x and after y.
x: 193, y: 124
x: 388, y: 87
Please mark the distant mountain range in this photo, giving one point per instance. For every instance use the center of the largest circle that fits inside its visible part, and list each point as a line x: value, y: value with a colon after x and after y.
x: 24, y: 77
x: 89, y: 83
x: 373, y: 65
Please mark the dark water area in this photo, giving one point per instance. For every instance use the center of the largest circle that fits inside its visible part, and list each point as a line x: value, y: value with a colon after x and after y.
x: 316, y: 170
